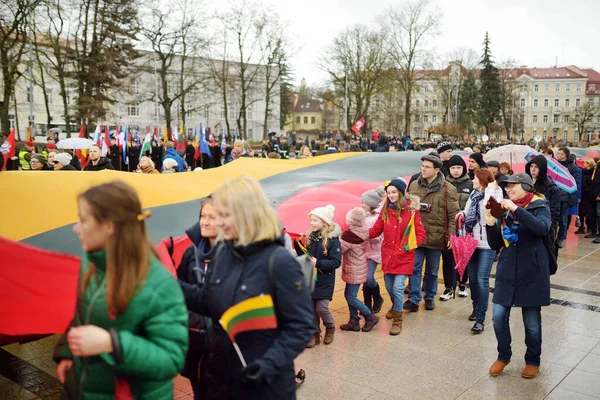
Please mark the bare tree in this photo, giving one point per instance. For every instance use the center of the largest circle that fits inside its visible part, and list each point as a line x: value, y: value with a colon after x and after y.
x: 582, y: 118
x: 510, y: 94
x: 14, y: 15
x: 408, y: 27
x: 356, y: 54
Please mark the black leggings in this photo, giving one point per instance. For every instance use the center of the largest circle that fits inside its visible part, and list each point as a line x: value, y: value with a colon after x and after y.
x: 450, y: 274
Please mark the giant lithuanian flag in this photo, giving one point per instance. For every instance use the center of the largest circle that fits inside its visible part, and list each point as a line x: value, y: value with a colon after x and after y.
x: 252, y: 314
x: 409, y: 239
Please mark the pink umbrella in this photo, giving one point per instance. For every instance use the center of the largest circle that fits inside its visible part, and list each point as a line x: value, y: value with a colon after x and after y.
x: 463, y: 247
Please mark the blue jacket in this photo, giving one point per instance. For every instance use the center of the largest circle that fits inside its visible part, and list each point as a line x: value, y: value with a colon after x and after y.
x: 326, y: 264
x: 576, y: 173
x: 239, y: 273
x: 522, y: 274
x: 171, y: 153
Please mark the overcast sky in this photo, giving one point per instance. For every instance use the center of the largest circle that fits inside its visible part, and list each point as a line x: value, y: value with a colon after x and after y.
x: 533, y: 32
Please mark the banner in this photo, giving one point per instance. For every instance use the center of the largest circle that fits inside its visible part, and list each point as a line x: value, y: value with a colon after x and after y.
x: 358, y: 125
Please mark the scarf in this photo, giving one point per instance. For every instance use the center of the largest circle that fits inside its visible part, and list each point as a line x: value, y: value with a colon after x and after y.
x: 524, y: 201
x: 473, y: 214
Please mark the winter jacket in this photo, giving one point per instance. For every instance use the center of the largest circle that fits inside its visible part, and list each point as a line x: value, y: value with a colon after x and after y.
x: 152, y: 335
x: 103, y: 163
x: 546, y: 186
x: 240, y: 273
x: 326, y: 264
x: 171, y: 153
x: 354, y: 243
x: 186, y: 273
x: 522, y: 274
x: 394, y: 259
x: 596, y: 181
x: 464, y: 187
x: 374, y: 244
x: 479, y: 232
x: 68, y: 168
x: 576, y: 173
x: 586, y: 187
x: 443, y: 199
x: 115, y: 157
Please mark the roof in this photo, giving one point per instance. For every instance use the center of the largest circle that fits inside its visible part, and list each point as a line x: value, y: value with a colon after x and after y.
x: 307, y: 106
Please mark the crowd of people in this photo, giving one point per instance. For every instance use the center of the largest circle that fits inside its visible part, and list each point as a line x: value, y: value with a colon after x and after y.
x: 135, y: 327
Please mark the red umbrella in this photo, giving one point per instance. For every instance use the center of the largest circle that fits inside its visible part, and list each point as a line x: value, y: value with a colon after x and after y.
x: 463, y: 247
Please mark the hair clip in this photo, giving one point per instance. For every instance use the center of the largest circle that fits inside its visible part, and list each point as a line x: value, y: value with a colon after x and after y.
x: 386, y: 183
x: 144, y: 215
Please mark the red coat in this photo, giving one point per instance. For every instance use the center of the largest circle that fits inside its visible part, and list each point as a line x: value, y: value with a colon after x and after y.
x: 394, y: 260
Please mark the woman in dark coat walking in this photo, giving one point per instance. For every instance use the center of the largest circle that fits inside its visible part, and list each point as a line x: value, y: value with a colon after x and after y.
x: 249, y: 241
x: 522, y: 275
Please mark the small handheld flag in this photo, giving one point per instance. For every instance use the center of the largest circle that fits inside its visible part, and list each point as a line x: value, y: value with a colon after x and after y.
x: 256, y: 313
x: 409, y: 239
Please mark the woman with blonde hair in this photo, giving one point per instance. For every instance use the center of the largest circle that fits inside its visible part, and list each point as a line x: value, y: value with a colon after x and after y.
x: 129, y: 333
x: 250, y: 261
x: 146, y: 166
x: 305, y: 152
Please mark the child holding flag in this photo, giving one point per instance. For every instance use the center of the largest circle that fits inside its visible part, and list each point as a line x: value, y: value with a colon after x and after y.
x: 324, y: 248
x: 355, y: 270
x: 403, y: 232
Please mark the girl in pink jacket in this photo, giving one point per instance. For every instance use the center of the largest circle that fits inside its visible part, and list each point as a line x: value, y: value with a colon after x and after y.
x: 355, y: 270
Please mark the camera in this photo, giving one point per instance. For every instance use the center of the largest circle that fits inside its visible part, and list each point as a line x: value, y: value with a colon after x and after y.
x: 425, y: 207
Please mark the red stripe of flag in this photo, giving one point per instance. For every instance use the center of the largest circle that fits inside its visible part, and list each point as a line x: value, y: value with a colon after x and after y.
x: 253, y: 324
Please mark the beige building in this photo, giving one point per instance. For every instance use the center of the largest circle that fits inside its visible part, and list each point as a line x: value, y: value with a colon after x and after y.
x: 306, y: 115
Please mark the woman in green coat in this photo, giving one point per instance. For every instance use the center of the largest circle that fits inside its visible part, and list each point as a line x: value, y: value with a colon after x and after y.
x: 129, y: 333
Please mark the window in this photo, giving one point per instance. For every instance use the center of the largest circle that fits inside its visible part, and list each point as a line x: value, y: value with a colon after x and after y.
x: 434, y: 118
x: 306, y: 120
x: 522, y: 102
x: 297, y: 120
x: 545, y: 135
x: 557, y: 87
x: 250, y: 133
x: 434, y: 103
x: 535, y: 102
x: 426, y: 103
x: 156, y: 111
x: 592, y: 88
x: 425, y: 118
x: 536, y: 88
x: 313, y: 120
x: 556, y: 118
x: 49, y: 95
x: 206, y: 112
x: 29, y: 95
x: 545, y: 118
x: 11, y: 120
x: 418, y: 103
x: 577, y: 102
x: 579, y: 87
x: 556, y: 102
x: 545, y: 102
x: 547, y: 87
x: 135, y: 86
x: 565, y: 135
x: 133, y: 109
x: 249, y: 110
x: 222, y: 112
x: 591, y: 102
x: 565, y: 118
x: 417, y: 118
x: 567, y: 87
x: 188, y: 112
x: 232, y: 113
x: 534, y: 118
x: 426, y: 88
x: 567, y: 102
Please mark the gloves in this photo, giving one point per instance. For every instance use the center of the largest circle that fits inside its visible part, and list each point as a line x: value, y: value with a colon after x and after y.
x: 253, y: 374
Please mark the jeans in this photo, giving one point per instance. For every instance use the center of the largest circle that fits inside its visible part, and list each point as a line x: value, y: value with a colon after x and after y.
x: 431, y: 274
x: 532, y: 318
x: 395, y: 287
x: 563, y: 223
x: 354, y: 304
x: 322, y: 313
x: 371, y: 282
x: 450, y: 274
x: 479, y: 268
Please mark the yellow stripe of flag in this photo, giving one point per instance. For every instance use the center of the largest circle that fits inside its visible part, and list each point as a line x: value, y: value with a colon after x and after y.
x: 254, y: 303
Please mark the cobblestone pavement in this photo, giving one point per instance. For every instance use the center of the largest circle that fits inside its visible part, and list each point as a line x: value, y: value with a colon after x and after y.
x: 435, y: 357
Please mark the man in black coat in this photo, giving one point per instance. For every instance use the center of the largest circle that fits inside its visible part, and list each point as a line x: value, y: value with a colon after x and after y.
x: 537, y: 169
x: 190, y: 150
x: 563, y: 155
x: 97, y: 162
x: 114, y: 154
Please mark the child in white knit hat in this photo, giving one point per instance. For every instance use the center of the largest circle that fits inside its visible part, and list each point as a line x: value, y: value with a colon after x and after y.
x: 324, y: 248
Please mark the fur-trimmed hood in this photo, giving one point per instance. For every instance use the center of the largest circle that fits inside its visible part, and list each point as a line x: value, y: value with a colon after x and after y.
x: 356, y: 218
x: 414, y: 203
x: 334, y: 230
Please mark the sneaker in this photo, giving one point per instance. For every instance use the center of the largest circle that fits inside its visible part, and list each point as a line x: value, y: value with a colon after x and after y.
x: 597, y: 240
x: 590, y: 235
x: 429, y: 305
x: 462, y: 290
x: 561, y: 244
x: 410, y: 306
x: 447, y: 295
x: 580, y: 231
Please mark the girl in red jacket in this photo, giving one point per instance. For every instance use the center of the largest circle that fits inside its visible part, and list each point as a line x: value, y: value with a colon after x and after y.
x: 399, y: 212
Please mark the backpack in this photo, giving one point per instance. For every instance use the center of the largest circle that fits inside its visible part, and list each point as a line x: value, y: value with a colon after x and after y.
x: 549, y: 241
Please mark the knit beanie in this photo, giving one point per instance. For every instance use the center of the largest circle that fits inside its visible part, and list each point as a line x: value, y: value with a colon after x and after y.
x: 443, y: 146
x: 63, y: 158
x: 372, y: 198
x: 456, y: 160
x: 169, y: 163
x: 478, y: 157
x: 29, y: 143
x: 325, y: 213
x: 50, y: 146
x: 398, y: 183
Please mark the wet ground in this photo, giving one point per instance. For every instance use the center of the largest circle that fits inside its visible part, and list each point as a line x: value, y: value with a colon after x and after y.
x: 435, y: 357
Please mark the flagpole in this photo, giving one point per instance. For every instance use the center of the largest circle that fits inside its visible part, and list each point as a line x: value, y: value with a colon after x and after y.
x: 239, y: 353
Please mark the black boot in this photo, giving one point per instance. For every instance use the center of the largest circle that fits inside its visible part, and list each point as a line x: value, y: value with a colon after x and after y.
x: 580, y: 231
x: 377, y: 299
x: 368, y: 296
